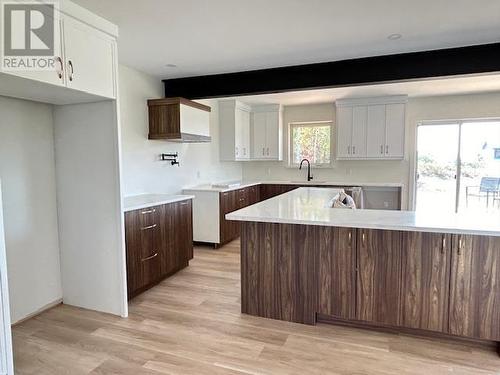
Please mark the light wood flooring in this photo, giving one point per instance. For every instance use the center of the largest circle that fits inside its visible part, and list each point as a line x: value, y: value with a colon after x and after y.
x: 191, y: 324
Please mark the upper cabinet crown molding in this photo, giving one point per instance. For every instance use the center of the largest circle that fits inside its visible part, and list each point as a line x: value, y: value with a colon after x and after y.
x: 179, y: 120
x: 371, y: 128
x: 86, y: 66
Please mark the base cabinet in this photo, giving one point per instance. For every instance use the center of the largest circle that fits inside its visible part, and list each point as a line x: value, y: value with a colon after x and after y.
x: 159, y: 242
x: 426, y: 279
x: 378, y: 276
x: 427, y: 283
x: 475, y: 287
x: 337, y: 272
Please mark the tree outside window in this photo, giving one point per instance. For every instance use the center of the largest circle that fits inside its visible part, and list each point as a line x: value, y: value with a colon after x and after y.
x: 311, y: 141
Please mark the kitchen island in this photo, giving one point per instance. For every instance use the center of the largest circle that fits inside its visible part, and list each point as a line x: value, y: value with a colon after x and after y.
x: 431, y: 274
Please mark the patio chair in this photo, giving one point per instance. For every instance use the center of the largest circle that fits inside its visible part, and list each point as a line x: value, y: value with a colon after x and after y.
x: 489, y: 187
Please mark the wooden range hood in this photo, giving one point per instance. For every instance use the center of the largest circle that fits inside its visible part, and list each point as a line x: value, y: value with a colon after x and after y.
x: 179, y: 120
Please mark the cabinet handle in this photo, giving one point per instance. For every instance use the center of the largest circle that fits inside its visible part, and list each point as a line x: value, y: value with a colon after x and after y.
x: 350, y: 237
x: 268, y: 151
x: 149, y: 258
x: 263, y: 151
x: 386, y: 149
x: 348, y: 150
x: 381, y: 149
x: 184, y: 203
x: 149, y: 227
x: 71, y: 69
x: 353, y: 150
x: 444, y: 245
x: 61, y: 70
x: 460, y: 243
x: 149, y: 211
x: 363, y: 237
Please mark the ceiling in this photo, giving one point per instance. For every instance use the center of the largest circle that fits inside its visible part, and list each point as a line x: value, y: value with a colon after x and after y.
x: 217, y: 36
x: 430, y: 87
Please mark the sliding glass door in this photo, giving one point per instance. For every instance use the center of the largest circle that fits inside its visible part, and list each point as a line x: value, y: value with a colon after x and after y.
x: 458, y: 166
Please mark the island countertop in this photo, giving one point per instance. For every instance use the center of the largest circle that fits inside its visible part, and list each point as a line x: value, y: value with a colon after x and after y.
x: 309, y: 206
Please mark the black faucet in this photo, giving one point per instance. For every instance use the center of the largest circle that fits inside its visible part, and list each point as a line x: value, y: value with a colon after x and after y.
x: 309, y: 176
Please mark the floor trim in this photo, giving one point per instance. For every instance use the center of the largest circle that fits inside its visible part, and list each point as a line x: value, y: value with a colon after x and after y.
x: 42, y: 309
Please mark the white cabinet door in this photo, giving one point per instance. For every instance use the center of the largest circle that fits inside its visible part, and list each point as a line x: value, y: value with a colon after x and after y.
x: 344, y: 131
x: 375, y: 130
x: 242, y: 134
x: 54, y: 77
x: 89, y: 56
x: 259, y: 135
x: 358, y: 143
x: 395, y: 131
x: 273, y: 138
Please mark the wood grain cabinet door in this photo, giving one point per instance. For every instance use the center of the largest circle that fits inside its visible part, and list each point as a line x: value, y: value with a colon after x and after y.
x: 167, y: 247
x: 337, y: 272
x: 426, y: 277
x: 475, y: 287
x: 229, y: 202
x: 141, y: 238
x: 185, y: 234
x: 379, y: 276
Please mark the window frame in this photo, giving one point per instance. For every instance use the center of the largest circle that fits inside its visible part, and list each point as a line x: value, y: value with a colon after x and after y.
x: 294, y: 124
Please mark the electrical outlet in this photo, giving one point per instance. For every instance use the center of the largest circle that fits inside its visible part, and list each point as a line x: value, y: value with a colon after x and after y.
x: 386, y: 204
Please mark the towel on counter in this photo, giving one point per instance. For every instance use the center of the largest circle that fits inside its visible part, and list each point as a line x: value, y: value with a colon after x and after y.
x: 342, y: 200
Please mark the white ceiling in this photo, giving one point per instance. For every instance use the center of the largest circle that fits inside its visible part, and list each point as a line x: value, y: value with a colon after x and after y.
x: 430, y: 87
x: 217, y: 36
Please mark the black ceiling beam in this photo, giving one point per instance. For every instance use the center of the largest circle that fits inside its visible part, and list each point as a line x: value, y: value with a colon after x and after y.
x: 478, y: 59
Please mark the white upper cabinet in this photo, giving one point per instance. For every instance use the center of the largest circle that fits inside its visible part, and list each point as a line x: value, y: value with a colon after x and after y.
x: 85, y: 62
x: 259, y: 131
x: 394, y: 131
x: 375, y: 131
x: 89, y: 57
x: 267, y: 133
x: 234, y: 120
x: 250, y: 133
x: 358, y: 142
x: 371, y: 128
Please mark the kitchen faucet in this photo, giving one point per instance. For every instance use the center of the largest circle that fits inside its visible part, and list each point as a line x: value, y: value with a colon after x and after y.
x: 309, y: 176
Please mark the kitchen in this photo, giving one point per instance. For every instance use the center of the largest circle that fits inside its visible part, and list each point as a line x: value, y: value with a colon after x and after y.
x: 145, y: 220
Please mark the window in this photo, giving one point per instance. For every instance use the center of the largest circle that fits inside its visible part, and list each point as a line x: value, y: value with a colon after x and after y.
x: 311, y: 141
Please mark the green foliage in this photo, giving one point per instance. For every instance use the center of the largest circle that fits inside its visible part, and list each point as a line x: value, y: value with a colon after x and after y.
x: 428, y: 167
x: 312, y: 143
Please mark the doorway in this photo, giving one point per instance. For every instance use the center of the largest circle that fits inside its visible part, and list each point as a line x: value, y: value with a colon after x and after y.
x: 458, y: 166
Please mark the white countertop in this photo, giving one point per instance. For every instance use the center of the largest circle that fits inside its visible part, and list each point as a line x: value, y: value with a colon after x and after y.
x: 308, y: 206
x: 209, y: 187
x: 136, y: 202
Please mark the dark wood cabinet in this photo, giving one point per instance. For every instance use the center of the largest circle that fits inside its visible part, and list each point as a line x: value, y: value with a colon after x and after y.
x: 272, y: 190
x: 230, y: 201
x: 475, y: 287
x: 166, y: 117
x: 379, y: 276
x: 426, y: 278
x: 337, y: 271
x: 159, y: 242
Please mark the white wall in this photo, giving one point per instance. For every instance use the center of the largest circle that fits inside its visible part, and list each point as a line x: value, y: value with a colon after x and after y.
x: 27, y: 172
x: 142, y: 170
x: 419, y: 109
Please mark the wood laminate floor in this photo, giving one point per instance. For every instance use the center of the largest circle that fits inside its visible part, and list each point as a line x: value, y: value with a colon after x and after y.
x: 191, y: 324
